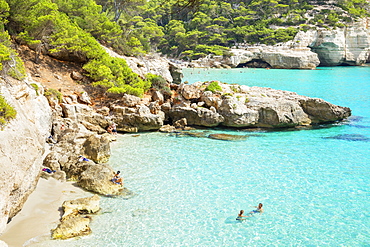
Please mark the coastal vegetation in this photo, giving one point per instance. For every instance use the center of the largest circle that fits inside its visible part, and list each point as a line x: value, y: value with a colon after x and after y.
x: 214, y: 87
x: 7, y: 112
x: 213, y: 26
x: 76, y: 30
x: 10, y: 63
x: 53, y: 94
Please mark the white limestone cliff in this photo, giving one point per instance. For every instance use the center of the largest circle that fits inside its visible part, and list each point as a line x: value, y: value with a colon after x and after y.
x: 22, y: 146
x: 341, y: 46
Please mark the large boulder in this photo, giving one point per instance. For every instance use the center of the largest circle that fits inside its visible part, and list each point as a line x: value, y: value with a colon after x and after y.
x: 98, y: 178
x: 97, y: 148
x: 236, y: 114
x: 176, y: 73
x: 130, y: 100
x: 87, y: 205
x: 191, y: 91
x: 72, y: 227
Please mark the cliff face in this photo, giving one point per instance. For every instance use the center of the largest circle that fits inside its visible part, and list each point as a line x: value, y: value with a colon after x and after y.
x: 342, y: 46
x: 22, y: 145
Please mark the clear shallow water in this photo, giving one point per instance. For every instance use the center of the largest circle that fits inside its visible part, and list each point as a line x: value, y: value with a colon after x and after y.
x: 189, y: 190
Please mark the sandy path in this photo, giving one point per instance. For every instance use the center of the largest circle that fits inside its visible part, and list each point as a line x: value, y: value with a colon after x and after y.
x: 41, y: 212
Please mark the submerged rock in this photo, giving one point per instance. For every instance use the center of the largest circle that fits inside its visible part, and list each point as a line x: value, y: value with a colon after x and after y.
x: 228, y: 137
x: 350, y: 137
x: 195, y: 134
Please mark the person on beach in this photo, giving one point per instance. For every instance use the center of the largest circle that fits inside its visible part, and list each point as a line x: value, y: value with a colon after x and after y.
x: 240, y: 215
x: 258, y: 210
x: 50, y: 140
x: 110, y: 129
x: 117, y: 179
x: 48, y: 170
x: 81, y: 158
x: 114, y: 129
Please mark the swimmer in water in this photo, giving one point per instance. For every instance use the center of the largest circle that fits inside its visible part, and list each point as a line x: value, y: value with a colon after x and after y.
x: 258, y: 210
x: 240, y: 215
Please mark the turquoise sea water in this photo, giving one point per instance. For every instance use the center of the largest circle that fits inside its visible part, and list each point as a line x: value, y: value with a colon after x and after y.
x: 188, y: 191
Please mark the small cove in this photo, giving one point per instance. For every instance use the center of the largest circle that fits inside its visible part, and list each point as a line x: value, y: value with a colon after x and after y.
x: 188, y: 190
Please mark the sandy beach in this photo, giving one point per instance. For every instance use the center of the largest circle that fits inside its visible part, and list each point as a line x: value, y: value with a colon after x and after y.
x: 41, y: 212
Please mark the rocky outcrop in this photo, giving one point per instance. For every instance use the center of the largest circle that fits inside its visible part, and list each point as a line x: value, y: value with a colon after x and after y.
x: 74, y: 222
x: 97, y: 148
x: 277, y: 57
x: 243, y: 106
x: 22, y: 145
x: 80, y: 145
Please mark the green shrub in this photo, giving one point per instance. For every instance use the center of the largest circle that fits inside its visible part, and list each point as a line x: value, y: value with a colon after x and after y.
x: 235, y: 89
x: 158, y: 83
x: 7, y: 112
x: 10, y: 63
x: 226, y: 95
x: 36, y: 87
x: 53, y: 93
x: 214, y: 87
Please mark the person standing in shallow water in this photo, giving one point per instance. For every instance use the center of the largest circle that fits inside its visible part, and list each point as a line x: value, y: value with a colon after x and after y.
x: 240, y: 215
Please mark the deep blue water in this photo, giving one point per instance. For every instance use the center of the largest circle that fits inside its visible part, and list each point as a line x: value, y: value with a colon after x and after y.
x: 314, y: 184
